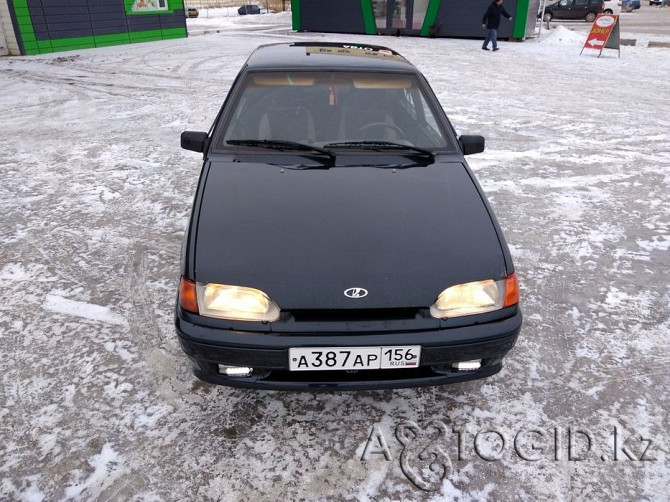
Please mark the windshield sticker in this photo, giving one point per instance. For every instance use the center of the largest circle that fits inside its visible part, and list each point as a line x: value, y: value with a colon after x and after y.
x: 356, y: 51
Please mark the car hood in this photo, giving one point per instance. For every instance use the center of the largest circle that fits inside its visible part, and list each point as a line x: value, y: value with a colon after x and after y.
x: 305, y: 236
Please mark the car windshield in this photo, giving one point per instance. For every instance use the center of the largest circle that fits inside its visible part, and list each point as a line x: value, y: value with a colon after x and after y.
x: 333, y: 108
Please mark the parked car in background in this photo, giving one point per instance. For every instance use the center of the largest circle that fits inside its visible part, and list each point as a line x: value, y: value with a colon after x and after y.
x: 612, y: 6
x: 655, y: 2
x: 338, y: 237
x: 630, y: 5
x: 574, y: 9
x: 192, y: 12
x: 249, y: 9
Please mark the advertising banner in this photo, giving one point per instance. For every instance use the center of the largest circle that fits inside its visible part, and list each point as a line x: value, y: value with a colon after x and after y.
x: 604, y: 34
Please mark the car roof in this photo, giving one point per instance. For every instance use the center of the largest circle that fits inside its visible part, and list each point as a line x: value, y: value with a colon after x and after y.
x: 327, y: 55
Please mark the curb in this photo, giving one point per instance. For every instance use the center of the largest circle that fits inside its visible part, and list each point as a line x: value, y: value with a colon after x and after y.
x: 633, y: 41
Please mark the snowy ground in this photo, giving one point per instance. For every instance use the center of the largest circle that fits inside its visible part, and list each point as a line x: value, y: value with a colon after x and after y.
x: 98, y: 402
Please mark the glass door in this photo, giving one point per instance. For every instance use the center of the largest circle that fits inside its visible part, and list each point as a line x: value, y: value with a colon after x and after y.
x: 399, y: 16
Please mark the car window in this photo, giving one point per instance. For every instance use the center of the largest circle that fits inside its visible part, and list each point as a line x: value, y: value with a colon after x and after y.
x: 419, y: 109
x: 318, y: 108
x: 565, y: 3
x: 580, y: 3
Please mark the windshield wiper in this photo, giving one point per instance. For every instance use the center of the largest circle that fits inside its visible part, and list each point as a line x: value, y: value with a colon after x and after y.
x: 283, y: 145
x: 380, y: 146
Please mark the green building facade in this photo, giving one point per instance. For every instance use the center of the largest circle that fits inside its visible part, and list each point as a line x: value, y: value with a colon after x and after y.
x: 43, y: 26
x: 426, y: 18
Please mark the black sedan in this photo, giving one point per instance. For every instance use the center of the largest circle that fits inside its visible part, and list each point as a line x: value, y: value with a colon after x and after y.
x: 574, y: 9
x: 338, y: 238
x: 249, y: 9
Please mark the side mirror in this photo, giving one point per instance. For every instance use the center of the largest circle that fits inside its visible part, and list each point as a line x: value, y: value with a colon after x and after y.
x: 194, y: 140
x: 471, y: 144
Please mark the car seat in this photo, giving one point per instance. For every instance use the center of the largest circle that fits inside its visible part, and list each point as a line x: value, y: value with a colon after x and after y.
x: 290, y: 123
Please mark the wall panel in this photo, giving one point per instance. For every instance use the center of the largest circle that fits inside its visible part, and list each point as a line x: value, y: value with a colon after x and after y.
x: 56, y: 25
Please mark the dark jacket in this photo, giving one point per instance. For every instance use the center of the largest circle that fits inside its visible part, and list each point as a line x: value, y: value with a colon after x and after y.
x: 492, y: 16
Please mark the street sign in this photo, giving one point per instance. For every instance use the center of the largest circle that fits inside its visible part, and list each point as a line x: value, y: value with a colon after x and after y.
x: 604, y: 34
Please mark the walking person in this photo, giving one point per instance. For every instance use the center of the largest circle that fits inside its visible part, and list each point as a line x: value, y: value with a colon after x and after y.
x: 491, y: 22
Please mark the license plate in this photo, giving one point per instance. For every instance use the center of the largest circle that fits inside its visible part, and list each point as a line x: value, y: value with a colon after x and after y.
x: 354, y: 358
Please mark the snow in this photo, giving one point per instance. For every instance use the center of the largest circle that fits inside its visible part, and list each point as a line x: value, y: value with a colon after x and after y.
x: 225, y: 19
x: 58, y: 304
x: 97, y: 399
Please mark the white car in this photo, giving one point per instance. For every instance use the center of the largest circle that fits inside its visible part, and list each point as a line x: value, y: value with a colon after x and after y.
x: 612, y: 6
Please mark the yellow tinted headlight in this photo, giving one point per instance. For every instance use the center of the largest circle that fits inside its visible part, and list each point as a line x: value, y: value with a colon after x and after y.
x: 235, y: 302
x: 469, y: 299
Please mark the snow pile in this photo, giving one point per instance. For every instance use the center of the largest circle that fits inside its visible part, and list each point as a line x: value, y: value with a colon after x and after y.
x: 562, y: 36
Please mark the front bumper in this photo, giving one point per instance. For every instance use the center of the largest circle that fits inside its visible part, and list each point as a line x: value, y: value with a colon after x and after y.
x: 267, y: 354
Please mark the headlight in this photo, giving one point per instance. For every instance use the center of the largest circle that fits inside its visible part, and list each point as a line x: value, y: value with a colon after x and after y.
x: 235, y: 302
x: 476, y: 298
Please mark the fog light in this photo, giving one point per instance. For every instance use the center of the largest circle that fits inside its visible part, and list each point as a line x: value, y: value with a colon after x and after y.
x: 467, y: 365
x: 235, y: 371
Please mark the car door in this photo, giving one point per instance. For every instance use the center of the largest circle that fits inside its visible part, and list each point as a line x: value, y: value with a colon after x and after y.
x: 562, y: 9
x: 579, y: 9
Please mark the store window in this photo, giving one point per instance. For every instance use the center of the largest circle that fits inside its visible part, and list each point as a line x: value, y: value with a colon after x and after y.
x: 149, y: 5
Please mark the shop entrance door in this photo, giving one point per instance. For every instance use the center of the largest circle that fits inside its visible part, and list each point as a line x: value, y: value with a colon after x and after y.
x: 399, y: 17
